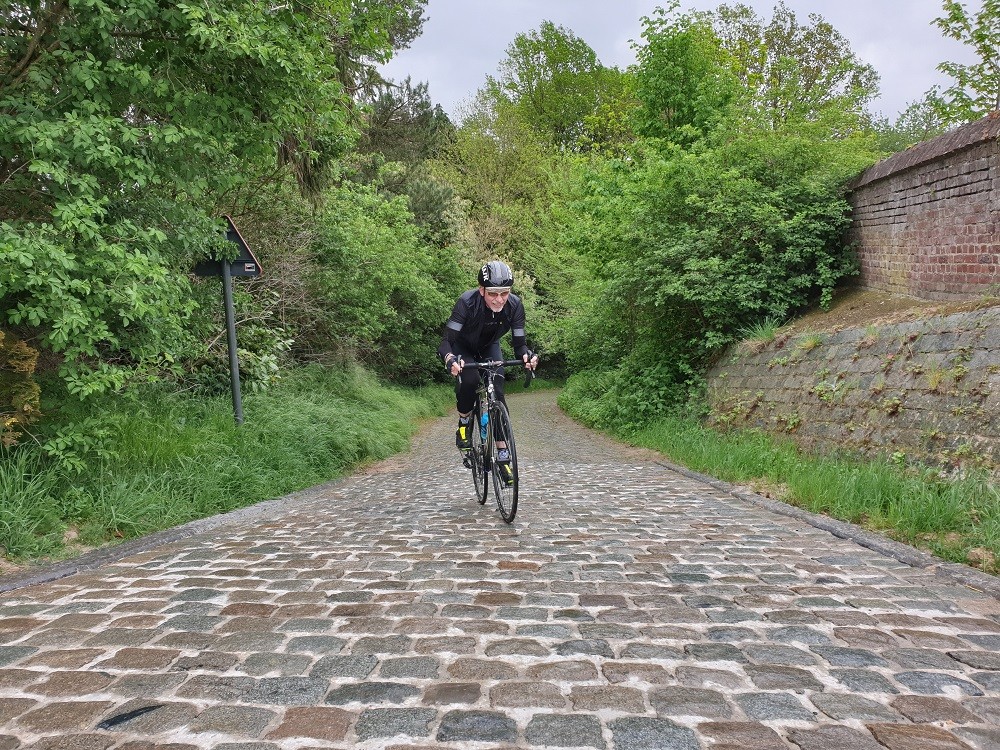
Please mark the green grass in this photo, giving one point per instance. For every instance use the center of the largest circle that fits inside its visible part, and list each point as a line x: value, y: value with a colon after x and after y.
x: 948, y: 517
x: 764, y: 331
x: 164, y: 459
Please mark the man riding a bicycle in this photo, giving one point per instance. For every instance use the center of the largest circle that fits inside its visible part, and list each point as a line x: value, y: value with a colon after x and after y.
x: 480, y: 318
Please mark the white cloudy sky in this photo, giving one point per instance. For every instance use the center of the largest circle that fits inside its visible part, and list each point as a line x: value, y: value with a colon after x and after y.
x: 464, y: 40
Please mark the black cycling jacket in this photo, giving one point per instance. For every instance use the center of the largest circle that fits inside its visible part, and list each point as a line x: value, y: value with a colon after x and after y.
x: 473, y: 327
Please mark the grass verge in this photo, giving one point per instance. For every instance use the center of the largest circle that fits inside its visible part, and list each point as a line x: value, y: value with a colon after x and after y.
x: 956, y: 519
x: 163, y: 459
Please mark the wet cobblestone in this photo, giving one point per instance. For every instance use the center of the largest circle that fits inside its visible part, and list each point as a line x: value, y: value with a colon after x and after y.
x: 630, y: 607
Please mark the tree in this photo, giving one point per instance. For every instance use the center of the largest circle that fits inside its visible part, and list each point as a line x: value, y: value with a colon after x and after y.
x: 920, y: 121
x: 555, y: 83
x: 126, y: 127
x: 976, y: 88
x: 790, y: 70
x: 404, y: 125
x: 499, y: 167
x: 355, y: 57
x: 682, y: 81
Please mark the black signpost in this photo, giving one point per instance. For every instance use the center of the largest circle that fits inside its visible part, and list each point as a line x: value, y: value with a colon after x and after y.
x: 246, y: 264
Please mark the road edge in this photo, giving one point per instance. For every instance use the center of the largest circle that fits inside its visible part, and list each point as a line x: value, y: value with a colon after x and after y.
x: 956, y: 572
x: 34, y: 574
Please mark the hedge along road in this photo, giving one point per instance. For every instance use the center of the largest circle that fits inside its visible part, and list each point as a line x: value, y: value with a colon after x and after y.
x: 630, y: 606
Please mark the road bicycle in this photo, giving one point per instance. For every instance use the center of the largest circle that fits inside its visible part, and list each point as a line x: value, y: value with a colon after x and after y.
x: 490, y: 426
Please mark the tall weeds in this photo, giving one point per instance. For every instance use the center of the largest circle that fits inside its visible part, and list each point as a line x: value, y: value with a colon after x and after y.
x: 173, y: 459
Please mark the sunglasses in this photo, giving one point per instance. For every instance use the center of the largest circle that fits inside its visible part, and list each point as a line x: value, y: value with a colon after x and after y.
x: 498, y: 290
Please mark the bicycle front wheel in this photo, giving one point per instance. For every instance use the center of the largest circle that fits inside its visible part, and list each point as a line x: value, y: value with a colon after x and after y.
x: 477, y: 460
x: 505, y: 477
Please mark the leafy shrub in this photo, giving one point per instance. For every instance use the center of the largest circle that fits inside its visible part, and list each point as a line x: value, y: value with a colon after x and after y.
x: 695, y: 246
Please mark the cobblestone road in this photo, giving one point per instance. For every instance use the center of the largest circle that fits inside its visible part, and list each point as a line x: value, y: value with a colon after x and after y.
x: 630, y: 607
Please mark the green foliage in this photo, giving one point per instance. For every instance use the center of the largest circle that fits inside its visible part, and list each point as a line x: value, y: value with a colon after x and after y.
x: 29, y: 517
x: 124, y: 126
x: 682, y: 80
x: 402, y: 132
x: 19, y: 393
x: 502, y: 173
x: 763, y: 331
x: 608, y: 130
x: 403, y: 125
x: 920, y: 121
x: 173, y: 458
x: 975, y: 91
x: 374, y: 291
x: 696, y: 245
x: 792, y: 71
x: 554, y: 82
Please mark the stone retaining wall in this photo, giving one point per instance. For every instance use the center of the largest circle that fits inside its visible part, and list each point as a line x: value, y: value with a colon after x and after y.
x: 924, y: 390
x: 926, y: 221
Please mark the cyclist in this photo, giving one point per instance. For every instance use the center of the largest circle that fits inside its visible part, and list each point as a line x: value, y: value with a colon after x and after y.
x: 478, y: 321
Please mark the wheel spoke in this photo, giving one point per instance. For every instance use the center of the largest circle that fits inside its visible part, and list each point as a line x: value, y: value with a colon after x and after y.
x: 504, y: 489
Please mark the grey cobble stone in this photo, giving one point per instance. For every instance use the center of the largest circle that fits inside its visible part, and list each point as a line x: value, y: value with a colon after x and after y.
x: 652, y: 734
x: 389, y: 722
x: 782, y: 678
x: 977, y: 659
x: 843, y: 707
x: 287, y: 691
x: 345, y: 666
x: 850, y: 657
x: 595, y: 647
x: 773, y: 707
x: 863, y: 681
x: 785, y: 655
x: 233, y: 720
x: 989, y: 680
x: 477, y: 726
x: 425, y: 667
x: 371, y: 692
x: 11, y: 654
x: 556, y: 730
x: 681, y: 701
x: 919, y: 658
x: 934, y: 682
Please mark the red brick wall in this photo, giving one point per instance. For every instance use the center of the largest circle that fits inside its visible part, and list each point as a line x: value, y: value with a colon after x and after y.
x: 926, y: 221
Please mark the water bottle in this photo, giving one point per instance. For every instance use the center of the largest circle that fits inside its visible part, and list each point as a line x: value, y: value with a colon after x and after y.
x: 484, y: 420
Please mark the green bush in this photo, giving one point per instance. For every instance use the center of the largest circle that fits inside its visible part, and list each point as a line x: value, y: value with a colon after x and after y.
x: 695, y: 245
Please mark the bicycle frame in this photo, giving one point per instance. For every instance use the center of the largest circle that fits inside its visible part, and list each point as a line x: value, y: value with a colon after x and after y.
x: 490, y: 370
x: 483, y: 456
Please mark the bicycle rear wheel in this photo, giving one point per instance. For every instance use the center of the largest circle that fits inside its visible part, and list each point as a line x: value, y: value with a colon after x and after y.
x: 504, y: 491
x: 477, y: 460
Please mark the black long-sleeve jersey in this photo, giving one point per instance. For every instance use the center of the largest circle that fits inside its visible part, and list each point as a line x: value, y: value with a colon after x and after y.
x: 473, y: 327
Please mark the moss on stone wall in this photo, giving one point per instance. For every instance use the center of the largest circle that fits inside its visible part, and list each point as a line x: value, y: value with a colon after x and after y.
x: 922, y: 390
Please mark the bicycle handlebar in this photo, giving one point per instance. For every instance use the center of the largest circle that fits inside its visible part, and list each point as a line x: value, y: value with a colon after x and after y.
x: 495, y: 364
x: 500, y: 364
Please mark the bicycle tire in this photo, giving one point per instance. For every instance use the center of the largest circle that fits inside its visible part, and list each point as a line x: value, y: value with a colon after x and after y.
x: 506, y: 495
x: 477, y: 460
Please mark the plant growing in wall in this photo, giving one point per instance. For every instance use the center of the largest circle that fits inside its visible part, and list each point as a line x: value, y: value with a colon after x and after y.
x: 809, y: 342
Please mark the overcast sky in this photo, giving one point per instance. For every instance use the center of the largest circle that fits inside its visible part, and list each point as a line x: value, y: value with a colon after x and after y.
x: 463, y: 41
